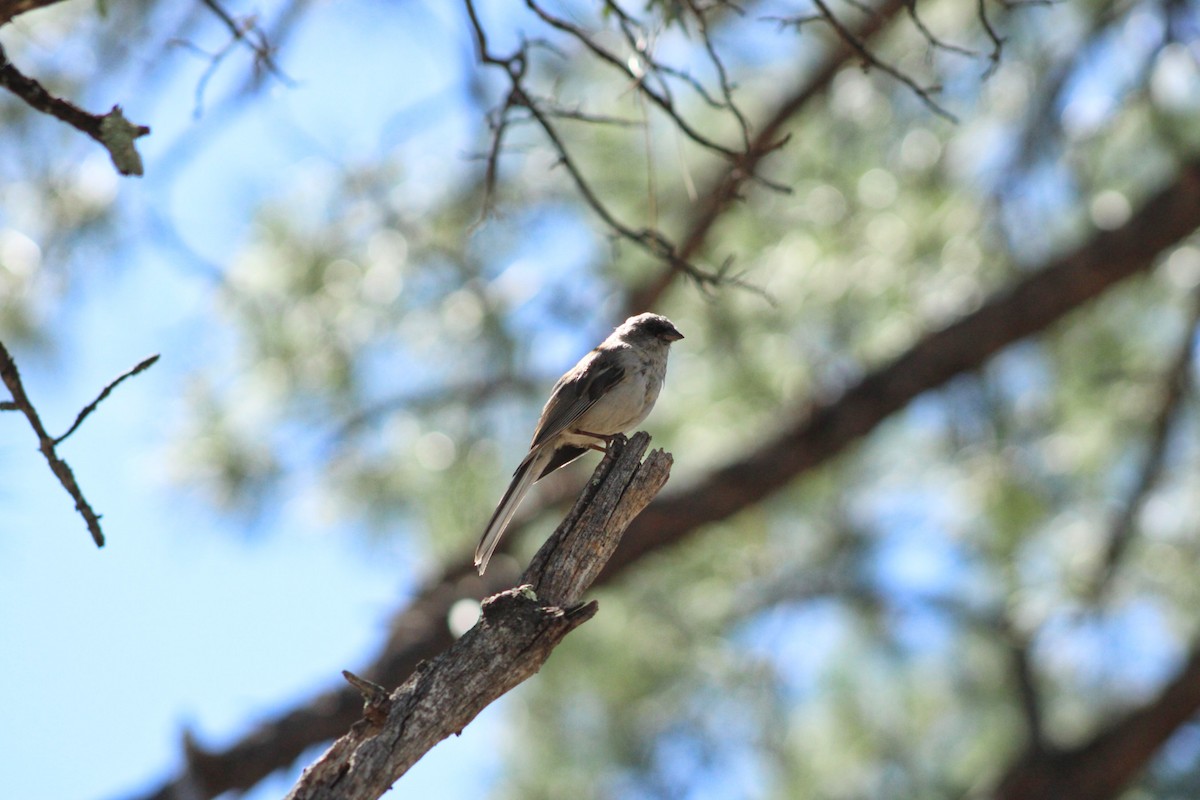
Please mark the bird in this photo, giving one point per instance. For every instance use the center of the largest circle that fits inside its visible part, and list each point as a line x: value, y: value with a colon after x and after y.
x: 611, y: 390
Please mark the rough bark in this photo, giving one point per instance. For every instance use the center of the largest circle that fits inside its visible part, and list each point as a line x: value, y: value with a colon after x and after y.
x: 515, y: 635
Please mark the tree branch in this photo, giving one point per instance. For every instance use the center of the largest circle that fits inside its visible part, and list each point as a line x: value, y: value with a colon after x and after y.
x: 824, y: 429
x: 48, y: 444
x: 112, y: 130
x: 21, y: 402
x: 650, y: 240
x: 515, y: 635
x: 1103, y: 767
x: 546, y: 113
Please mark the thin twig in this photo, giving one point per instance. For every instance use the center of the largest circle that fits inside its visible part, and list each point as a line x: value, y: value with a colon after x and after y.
x: 934, y: 41
x: 90, y: 407
x: 722, y: 74
x: 254, y: 37
x: 993, y: 37
x: 245, y: 31
x: 769, y: 136
x: 664, y: 103
x: 923, y: 93
x: 650, y: 240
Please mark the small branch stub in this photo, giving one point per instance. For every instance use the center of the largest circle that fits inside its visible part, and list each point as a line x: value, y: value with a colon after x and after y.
x: 375, y: 698
x: 118, y: 134
x: 515, y: 635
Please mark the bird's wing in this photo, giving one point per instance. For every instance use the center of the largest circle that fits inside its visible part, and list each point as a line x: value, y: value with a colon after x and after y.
x: 563, y: 455
x: 577, y: 391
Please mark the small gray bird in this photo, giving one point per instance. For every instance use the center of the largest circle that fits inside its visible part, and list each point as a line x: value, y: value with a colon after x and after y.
x: 608, y: 392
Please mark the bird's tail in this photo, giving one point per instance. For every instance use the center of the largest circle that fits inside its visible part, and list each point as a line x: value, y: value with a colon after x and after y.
x: 529, y: 471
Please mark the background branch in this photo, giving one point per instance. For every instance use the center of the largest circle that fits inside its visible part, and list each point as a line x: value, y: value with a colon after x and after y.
x: 1175, y: 384
x: 1102, y: 767
x: 545, y: 114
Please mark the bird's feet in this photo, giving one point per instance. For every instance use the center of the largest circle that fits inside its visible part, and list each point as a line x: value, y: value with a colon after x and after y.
x: 607, y: 439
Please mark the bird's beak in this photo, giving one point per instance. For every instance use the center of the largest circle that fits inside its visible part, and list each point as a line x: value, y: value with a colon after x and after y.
x: 673, y: 335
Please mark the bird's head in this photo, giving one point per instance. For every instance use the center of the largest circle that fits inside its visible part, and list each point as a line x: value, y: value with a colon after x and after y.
x: 649, y: 328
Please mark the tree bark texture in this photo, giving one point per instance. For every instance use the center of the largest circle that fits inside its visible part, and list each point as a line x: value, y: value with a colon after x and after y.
x: 513, y: 638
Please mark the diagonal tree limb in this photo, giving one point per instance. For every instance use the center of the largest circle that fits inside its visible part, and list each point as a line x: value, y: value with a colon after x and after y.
x: 518, y: 630
x: 825, y: 429
x: 819, y: 433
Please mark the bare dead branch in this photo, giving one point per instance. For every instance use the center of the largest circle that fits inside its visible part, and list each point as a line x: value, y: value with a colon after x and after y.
x: 515, y: 635
x: 111, y: 130
x: 12, y: 380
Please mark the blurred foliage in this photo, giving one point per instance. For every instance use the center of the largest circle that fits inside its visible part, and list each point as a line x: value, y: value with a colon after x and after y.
x: 388, y: 347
